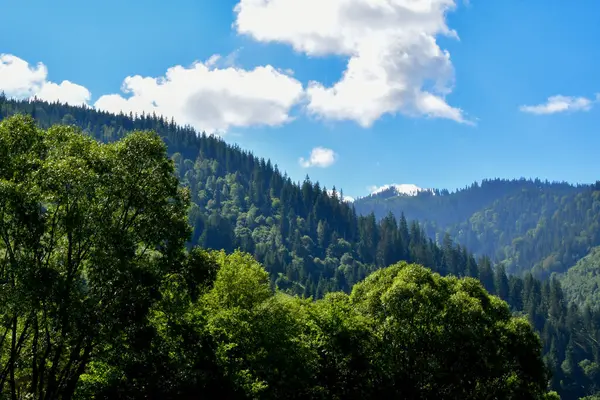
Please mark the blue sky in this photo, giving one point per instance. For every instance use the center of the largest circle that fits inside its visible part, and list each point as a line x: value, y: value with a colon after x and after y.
x: 380, y: 128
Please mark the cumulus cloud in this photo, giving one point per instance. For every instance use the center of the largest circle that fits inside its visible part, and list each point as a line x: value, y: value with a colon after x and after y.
x: 319, y: 157
x: 211, y: 98
x: 394, y: 61
x: 20, y: 80
x: 558, y: 104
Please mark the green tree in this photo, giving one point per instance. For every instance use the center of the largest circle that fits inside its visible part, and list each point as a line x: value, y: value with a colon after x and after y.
x: 501, y: 283
x: 447, y: 338
x: 344, y: 341
x: 261, y: 341
x: 87, y: 232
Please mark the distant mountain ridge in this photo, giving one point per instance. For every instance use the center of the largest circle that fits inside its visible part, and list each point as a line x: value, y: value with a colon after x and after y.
x: 528, y: 225
x: 403, y: 189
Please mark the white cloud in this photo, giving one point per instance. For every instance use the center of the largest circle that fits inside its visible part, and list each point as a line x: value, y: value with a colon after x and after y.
x: 558, y: 104
x: 395, y: 64
x: 319, y: 157
x: 210, y: 98
x: 20, y: 80
x: 66, y: 92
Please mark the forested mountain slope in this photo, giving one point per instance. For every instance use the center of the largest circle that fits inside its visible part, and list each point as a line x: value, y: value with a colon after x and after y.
x: 581, y: 282
x: 309, y: 240
x: 528, y: 225
x: 311, y: 243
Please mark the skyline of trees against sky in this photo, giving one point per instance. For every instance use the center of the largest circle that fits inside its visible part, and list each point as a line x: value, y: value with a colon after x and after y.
x: 279, y: 82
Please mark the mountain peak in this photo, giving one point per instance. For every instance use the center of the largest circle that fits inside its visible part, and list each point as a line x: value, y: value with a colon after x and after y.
x: 406, y: 189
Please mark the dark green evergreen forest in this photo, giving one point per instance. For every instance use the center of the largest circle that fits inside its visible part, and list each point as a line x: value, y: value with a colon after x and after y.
x: 581, y: 282
x: 121, y: 281
x: 527, y: 225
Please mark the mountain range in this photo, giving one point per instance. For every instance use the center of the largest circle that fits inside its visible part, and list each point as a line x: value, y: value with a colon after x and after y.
x: 525, y: 224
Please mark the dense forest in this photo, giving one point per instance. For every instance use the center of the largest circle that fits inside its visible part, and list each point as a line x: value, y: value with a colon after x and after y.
x: 310, y: 244
x: 527, y: 225
x: 581, y: 282
x: 101, y: 299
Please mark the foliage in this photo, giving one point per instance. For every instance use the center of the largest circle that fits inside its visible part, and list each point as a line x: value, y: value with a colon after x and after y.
x: 581, y: 282
x: 421, y: 317
x: 310, y: 244
x: 528, y: 225
x: 404, y: 332
x: 81, y: 252
x: 309, y: 241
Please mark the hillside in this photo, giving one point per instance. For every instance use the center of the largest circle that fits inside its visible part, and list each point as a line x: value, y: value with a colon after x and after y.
x: 528, y: 225
x: 308, y: 240
x: 311, y: 243
x: 581, y: 282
